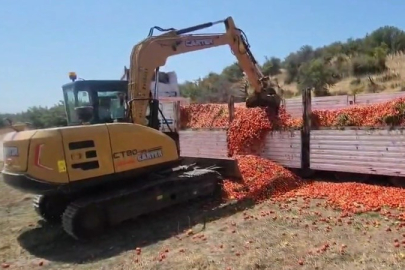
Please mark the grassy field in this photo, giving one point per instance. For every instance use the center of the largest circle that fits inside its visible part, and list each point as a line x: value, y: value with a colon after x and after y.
x: 300, y: 234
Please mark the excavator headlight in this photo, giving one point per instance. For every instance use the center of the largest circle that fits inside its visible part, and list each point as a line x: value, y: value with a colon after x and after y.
x: 72, y: 76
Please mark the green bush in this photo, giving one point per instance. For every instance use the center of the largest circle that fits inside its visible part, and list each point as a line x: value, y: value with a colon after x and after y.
x: 366, y: 64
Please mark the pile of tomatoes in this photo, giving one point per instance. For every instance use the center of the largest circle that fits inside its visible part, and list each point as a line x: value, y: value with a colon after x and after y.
x: 249, y: 127
x: 204, y: 116
x: 391, y: 113
x: 352, y: 197
x: 217, y: 116
x: 262, y: 178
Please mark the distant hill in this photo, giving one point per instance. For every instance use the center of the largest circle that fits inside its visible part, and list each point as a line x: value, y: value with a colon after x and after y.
x: 373, y: 64
x: 391, y: 80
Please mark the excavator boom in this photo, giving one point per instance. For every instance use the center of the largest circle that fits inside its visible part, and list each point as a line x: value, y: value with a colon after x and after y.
x: 152, y: 53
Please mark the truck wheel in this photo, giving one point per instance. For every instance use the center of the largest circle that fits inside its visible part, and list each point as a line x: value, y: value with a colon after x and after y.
x: 50, y: 208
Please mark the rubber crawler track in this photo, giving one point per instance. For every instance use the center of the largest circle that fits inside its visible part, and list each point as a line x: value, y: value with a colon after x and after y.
x: 35, y: 203
x: 42, y: 203
x: 68, y: 218
x: 74, y: 208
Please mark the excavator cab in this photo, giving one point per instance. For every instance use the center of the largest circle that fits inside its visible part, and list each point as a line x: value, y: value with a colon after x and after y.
x: 95, y: 101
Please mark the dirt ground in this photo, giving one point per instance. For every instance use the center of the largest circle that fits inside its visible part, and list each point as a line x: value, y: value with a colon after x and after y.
x: 293, y: 235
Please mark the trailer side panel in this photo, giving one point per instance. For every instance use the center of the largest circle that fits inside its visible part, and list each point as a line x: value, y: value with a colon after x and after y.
x: 203, y: 143
x: 376, y: 151
x: 283, y: 147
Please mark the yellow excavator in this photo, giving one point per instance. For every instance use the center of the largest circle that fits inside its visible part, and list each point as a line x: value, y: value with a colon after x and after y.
x: 96, y: 174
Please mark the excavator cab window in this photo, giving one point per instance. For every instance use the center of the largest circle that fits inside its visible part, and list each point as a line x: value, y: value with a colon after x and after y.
x: 111, y: 106
x: 104, y: 98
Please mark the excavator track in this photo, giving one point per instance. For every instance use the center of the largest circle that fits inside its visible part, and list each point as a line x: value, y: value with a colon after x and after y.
x: 89, y: 217
x: 50, y: 207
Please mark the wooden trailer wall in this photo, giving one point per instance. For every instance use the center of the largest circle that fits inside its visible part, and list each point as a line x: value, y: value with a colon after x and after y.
x: 283, y: 147
x: 377, y: 151
x: 209, y: 143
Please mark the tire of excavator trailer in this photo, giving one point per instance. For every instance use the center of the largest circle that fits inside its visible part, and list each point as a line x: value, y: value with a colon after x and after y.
x: 50, y: 207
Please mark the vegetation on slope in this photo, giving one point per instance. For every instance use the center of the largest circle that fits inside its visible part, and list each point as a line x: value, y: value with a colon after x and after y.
x: 320, y: 68
x: 354, y: 61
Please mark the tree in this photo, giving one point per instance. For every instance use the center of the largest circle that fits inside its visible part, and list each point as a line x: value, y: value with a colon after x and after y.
x: 392, y: 36
x: 271, y: 66
x: 41, y: 117
x: 291, y: 64
x: 318, y: 76
x: 191, y: 90
x: 366, y: 64
x: 232, y: 73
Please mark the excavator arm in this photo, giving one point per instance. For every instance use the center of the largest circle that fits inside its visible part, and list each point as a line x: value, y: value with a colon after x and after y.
x: 152, y: 53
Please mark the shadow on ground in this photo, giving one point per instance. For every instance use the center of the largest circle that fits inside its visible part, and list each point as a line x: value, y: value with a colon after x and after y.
x: 51, y: 242
x: 342, y: 177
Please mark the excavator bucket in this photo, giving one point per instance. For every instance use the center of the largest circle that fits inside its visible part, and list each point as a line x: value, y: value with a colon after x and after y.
x: 267, y: 98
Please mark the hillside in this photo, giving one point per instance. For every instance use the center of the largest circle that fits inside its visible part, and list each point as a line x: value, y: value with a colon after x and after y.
x: 392, y: 80
x: 370, y: 64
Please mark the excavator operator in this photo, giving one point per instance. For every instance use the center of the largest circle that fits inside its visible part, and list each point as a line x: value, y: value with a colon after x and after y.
x: 104, y: 113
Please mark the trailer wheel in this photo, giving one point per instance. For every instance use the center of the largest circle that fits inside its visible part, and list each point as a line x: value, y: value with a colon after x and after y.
x: 398, y: 181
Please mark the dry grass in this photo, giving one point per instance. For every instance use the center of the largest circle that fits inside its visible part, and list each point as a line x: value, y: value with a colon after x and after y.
x: 239, y: 236
x: 395, y: 64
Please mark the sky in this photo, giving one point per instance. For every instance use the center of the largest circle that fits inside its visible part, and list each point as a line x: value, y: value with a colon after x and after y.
x: 42, y: 41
